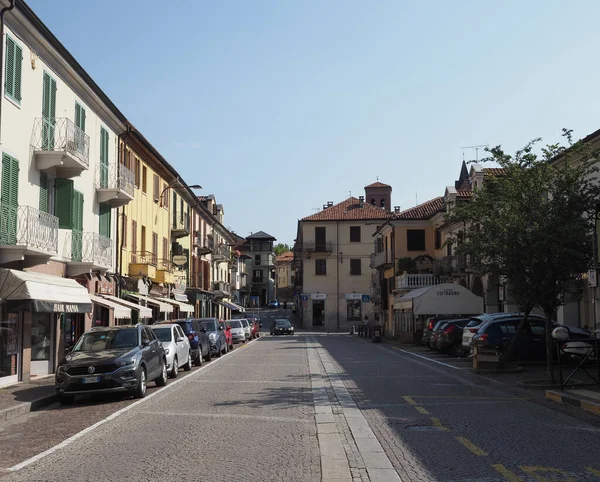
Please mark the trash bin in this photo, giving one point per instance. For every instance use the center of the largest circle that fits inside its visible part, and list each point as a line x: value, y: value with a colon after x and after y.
x: 377, y: 333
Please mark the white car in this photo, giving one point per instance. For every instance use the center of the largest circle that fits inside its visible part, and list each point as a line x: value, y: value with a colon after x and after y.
x: 247, y: 328
x: 176, y: 345
x: 238, y: 333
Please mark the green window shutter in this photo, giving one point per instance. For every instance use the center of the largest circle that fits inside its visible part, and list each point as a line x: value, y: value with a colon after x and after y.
x: 43, y: 192
x: 105, y: 212
x: 77, y: 114
x: 14, y: 58
x: 78, y: 211
x: 17, y: 76
x: 64, y: 203
x: 46, y: 97
x: 10, y: 200
x: 82, y: 120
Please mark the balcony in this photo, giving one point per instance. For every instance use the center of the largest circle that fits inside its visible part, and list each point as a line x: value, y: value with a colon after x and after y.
x: 466, y: 263
x: 180, y: 226
x: 143, y: 263
x: 164, y: 272
x: 411, y: 281
x: 61, y: 147
x: 221, y: 253
x: 26, y: 232
x: 221, y: 288
x: 266, y: 263
x: 317, y: 247
x: 203, y: 245
x: 256, y: 279
x: 87, y: 252
x: 382, y: 259
x: 114, y: 184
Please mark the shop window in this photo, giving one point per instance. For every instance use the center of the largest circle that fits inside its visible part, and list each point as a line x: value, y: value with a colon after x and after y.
x: 415, y: 240
x: 354, y: 310
x: 318, y: 312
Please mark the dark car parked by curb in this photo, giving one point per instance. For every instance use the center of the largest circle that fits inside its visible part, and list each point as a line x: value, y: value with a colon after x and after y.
x: 216, y: 336
x: 449, y: 339
x: 199, y: 342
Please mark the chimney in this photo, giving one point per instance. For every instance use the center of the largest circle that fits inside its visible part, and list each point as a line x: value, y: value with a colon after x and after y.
x: 329, y: 204
x: 361, y: 201
x: 396, y: 209
x: 324, y: 207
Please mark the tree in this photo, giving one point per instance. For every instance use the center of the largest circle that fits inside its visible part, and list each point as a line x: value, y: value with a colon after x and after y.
x: 533, y: 225
x: 280, y: 249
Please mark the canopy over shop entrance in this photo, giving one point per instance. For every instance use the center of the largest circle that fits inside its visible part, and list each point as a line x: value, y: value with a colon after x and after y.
x: 120, y: 311
x: 142, y: 310
x: 443, y: 299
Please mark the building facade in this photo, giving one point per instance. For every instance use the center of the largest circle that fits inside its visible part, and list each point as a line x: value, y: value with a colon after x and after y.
x: 284, y: 277
x: 261, y: 265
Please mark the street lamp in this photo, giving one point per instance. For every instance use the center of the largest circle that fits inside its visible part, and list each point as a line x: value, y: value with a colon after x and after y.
x: 177, y: 184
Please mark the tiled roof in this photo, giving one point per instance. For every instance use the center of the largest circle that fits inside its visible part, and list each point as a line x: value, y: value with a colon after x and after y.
x: 284, y: 257
x: 464, y: 193
x: 261, y: 235
x: 349, y: 210
x: 494, y: 171
x: 423, y: 211
x: 377, y: 184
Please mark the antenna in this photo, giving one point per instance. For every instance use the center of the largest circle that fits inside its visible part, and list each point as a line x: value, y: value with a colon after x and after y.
x: 476, y: 150
x: 350, y: 192
x: 416, y: 199
x: 377, y: 177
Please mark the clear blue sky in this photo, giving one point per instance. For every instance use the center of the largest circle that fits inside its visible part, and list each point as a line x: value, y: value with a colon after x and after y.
x: 279, y: 106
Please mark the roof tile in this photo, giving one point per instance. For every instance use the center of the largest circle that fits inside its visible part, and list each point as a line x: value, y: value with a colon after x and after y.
x: 423, y: 211
x: 377, y: 184
x: 349, y: 210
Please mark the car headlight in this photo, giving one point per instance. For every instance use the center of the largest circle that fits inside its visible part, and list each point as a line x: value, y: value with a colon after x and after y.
x: 61, y: 369
x: 212, y: 336
x: 125, y: 363
x: 167, y: 350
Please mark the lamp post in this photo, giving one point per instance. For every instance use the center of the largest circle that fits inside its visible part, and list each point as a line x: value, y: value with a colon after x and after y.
x: 177, y: 184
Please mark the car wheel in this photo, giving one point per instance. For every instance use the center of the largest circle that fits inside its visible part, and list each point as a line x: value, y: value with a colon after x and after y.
x: 65, y: 399
x: 208, y: 355
x: 219, y: 352
x: 162, y: 380
x: 188, y: 366
x: 175, y: 369
x: 140, y: 391
x: 231, y: 346
x: 457, y: 350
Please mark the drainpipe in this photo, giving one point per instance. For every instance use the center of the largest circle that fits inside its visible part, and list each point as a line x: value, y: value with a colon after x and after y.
x: 123, y: 138
x: 2, y: 12
x: 337, y: 275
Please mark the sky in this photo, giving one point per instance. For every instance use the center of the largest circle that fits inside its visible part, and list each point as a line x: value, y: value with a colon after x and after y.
x: 278, y: 106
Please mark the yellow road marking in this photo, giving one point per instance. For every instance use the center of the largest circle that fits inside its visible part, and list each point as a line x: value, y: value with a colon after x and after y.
x: 508, y: 475
x: 409, y: 400
x: 438, y: 424
x: 462, y: 397
x: 535, y: 472
x: 471, y: 446
x: 421, y: 410
x: 593, y: 471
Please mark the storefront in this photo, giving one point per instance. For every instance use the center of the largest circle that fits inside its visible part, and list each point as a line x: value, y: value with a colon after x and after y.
x: 39, y: 313
x: 182, y: 310
x: 353, y: 307
x: 108, y: 313
x: 231, y: 306
x: 318, y: 308
x: 138, y: 313
x: 201, y: 300
x: 160, y: 310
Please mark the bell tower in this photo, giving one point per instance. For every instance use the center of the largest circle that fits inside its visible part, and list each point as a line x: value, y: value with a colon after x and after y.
x: 380, y: 195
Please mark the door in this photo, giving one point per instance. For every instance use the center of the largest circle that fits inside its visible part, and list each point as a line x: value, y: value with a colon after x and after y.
x: 320, y: 243
x: 48, y: 113
x: 318, y: 312
x: 147, y: 354
x: 9, y: 200
x: 42, y: 343
x: 182, y: 349
x: 156, y: 345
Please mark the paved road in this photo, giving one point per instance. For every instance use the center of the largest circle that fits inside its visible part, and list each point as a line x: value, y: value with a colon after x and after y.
x: 315, y: 407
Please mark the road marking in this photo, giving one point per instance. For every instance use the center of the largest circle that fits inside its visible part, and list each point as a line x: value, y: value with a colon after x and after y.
x: 409, y: 400
x: 229, y: 415
x: 593, y: 471
x: 422, y: 410
x: 471, y: 446
x: 91, y: 428
x: 508, y: 475
x: 436, y: 422
x: 536, y: 470
x: 428, y: 359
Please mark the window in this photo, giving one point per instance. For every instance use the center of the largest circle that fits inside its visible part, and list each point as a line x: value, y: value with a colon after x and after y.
x: 156, y: 188
x: 165, y: 249
x: 257, y: 259
x: 138, y: 168
x: 145, y: 335
x: 143, y: 239
x: 154, y: 246
x: 134, y: 236
x: 353, y: 310
x: 355, y: 267
x: 382, y: 204
x: 144, y: 179
x: 165, y: 196
x: 320, y: 267
x: 355, y: 234
x: 438, y: 239
x: 415, y: 240
x: 124, y: 230
x: 105, y: 220
x: 14, y: 59
x: 63, y: 203
x: 181, y: 211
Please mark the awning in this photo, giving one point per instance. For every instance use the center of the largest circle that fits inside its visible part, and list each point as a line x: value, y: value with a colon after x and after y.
x: 442, y: 299
x: 229, y: 304
x: 186, y: 308
x: 42, y: 293
x: 162, y: 307
x: 143, y: 311
x: 120, y: 311
x: 181, y: 297
x: 236, y: 306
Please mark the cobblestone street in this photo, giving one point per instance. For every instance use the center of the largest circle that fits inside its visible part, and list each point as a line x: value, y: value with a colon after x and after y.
x: 309, y: 407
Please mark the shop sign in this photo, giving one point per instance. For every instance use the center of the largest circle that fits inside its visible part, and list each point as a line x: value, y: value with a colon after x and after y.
x: 179, y: 260
x: 318, y: 296
x: 592, y: 278
x: 448, y: 292
x: 65, y: 308
x: 353, y: 296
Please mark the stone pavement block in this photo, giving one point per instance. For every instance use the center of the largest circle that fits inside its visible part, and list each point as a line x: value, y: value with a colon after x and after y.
x: 326, y: 409
x: 331, y: 447
x: 383, y: 475
x: 362, y: 432
x: 335, y: 470
x: 325, y: 418
x: 357, y: 423
x: 368, y: 445
x: 376, y: 460
x: 327, y: 428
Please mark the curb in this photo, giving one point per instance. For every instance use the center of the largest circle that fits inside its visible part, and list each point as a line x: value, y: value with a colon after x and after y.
x: 566, y: 398
x: 26, y: 407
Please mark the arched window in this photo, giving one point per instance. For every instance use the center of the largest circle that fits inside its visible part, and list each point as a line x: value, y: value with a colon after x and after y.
x: 373, y: 202
x: 382, y: 203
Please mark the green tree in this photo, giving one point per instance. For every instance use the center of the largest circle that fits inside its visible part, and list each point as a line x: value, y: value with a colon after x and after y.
x: 533, y: 225
x: 280, y: 249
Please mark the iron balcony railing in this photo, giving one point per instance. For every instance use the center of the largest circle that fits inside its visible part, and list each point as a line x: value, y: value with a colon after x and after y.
x: 144, y: 257
x: 90, y: 248
x: 222, y: 286
x: 181, y: 222
x: 221, y: 251
x: 381, y: 259
x: 317, y: 246
x: 164, y: 264
x: 115, y: 176
x: 28, y: 227
x: 61, y: 134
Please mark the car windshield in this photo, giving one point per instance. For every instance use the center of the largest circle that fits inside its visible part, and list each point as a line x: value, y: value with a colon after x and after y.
x: 282, y: 323
x: 235, y: 323
x: 163, y: 334
x: 106, y: 340
x: 210, y: 325
x: 244, y: 323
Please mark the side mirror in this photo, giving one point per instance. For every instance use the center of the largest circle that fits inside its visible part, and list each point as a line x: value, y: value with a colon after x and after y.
x: 220, y: 328
x: 145, y: 342
x: 68, y: 349
x: 179, y: 339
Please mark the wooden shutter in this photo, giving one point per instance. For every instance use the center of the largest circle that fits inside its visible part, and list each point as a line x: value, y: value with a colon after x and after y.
x: 134, y: 238
x: 10, y: 200
x: 14, y: 58
x: 166, y: 196
x: 124, y: 230
x: 165, y: 249
x: 156, y: 187
x: 154, y: 246
x: 77, y: 210
x: 64, y: 202
x: 103, y: 158
x: 43, y: 192
x: 105, y: 220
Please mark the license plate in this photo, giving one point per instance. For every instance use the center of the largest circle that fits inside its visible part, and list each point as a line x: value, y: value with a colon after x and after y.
x: 90, y: 380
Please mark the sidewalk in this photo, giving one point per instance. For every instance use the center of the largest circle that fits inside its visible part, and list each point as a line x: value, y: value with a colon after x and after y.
x: 21, y: 398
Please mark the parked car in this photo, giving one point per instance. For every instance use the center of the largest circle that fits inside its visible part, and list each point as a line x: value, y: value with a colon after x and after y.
x: 434, y: 334
x: 477, y: 322
x: 282, y: 327
x: 449, y: 339
x: 216, y: 337
x: 428, y: 330
x: 177, y: 347
x: 112, y: 359
x: 247, y: 316
x: 238, y: 333
x: 254, y: 328
x: 247, y: 328
x: 199, y: 342
x: 228, y: 337
x: 274, y: 304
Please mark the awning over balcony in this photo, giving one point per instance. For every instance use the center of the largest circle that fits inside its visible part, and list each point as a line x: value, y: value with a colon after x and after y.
x: 120, y: 311
x: 143, y: 311
x: 230, y: 305
x: 442, y: 299
x: 42, y: 293
x: 162, y: 307
x: 186, y: 308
